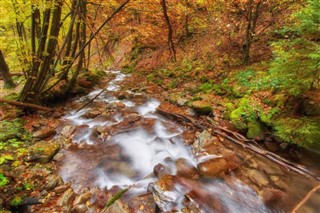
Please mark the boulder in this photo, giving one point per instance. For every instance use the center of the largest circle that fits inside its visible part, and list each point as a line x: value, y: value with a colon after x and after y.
x: 213, y: 168
x: 201, y: 107
x: 44, y: 133
x: 42, y: 151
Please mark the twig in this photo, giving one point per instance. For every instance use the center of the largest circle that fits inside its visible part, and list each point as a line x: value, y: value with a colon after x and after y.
x: 305, y: 199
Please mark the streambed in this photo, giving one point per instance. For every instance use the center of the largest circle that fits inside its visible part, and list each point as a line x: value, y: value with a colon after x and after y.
x: 120, y: 141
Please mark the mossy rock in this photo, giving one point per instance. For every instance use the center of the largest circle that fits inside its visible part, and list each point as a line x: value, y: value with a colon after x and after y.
x: 311, y: 108
x: 229, y: 108
x: 255, y: 130
x: 201, y: 107
x: 42, y: 151
x: 238, y: 120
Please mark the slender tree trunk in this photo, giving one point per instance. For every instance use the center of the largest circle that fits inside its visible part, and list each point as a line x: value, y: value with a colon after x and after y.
x: 252, y: 16
x: 82, y: 41
x: 4, y: 72
x: 170, y: 31
x: 45, y: 54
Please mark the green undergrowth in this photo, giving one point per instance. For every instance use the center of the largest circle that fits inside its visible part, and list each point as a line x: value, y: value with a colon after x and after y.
x: 13, y: 140
x: 93, y: 76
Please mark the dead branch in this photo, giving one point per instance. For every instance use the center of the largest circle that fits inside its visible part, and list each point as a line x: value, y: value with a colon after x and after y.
x: 26, y: 105
x: 305, y: 199
x: 239, y: 140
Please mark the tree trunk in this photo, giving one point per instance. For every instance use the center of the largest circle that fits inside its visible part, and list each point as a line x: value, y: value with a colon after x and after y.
x: 170, y: 31
x: 45, y: 54
x: 252, y: 18
x: 4, y: 72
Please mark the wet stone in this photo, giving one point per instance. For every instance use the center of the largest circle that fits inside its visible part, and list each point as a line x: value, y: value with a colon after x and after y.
x: 92, y: 114
x: 144, y: 203
x: 213, y: 168
x: 118, y: 207
x: 271, y: 196
x: 82, y: 208
x: 67, y: 131
x: 62, y: 188
x: 53, y: 181
x: 67, y: 198
x: 164, y: 193
x: 132, y: 117
x: 44, y: 133
x: 82, y: 198
x: 43, y: 151
x: 58, y: 157
x: 203, y: 139
x: 186, y: 169
x: 258, y: 177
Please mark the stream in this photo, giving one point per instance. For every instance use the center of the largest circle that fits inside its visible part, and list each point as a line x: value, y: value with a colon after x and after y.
x: 120, y: 141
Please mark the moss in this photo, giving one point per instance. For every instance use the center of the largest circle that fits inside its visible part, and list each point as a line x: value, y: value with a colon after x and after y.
x: 93, y: 75
x: 201, y: 107
x: 303, y: 131
x: 205, y: 87
x: 238, y: 119
x: 255, y: 130
x: 245, y: 113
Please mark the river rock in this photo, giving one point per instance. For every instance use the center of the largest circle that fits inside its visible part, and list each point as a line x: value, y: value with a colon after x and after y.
x: 82, y: 198
x: 203, y: 139
x: 160, y: 170
x: 186, y: 169
x: 202, y: 107
x: 62, y: 188
x: 213, y: 168
x: 43, y: 151
x: 52, y: 181
x: 165, y: 194
x: 67, y: 131
x: 58, y: 157
x: 92, y: 114
x: 132, y: 117
x: 44, y: 133
x: 271, y: 196
x: 82, y: 208
x: 257, y: 177
x: 118, y: 207
x: 143, y: 203
x: 67, y: 198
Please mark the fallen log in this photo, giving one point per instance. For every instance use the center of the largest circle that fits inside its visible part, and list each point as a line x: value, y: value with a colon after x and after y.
x: 26, y: 105
x: 245, y: 143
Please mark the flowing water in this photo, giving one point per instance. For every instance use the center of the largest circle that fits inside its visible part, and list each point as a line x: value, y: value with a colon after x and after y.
x: 126, y: 139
